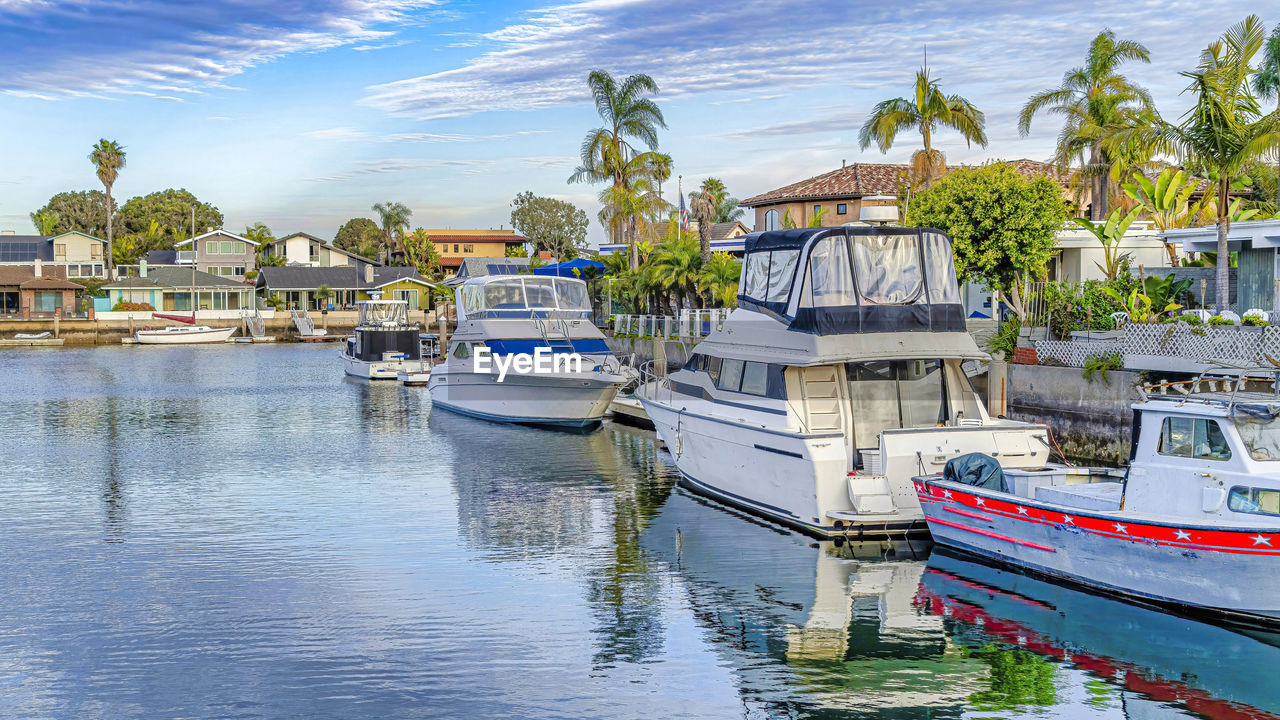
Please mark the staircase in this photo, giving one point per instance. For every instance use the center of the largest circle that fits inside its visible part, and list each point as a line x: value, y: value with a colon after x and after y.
x: 257, y: 326
x: 556, y: 334
x: 302, y: 320
x: 820, y: 393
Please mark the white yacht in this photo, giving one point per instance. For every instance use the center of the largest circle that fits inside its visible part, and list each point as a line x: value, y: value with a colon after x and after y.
x: 512, y: 356
x: 835, y: 381
x: 383, y: 343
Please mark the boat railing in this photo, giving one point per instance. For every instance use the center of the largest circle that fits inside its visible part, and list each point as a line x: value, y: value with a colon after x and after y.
x: 1220, y: 386
x: 687, y: 325
x: 660, y: 385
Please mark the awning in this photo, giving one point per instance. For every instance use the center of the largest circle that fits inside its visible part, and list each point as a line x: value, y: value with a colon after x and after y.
x: 571, y: 268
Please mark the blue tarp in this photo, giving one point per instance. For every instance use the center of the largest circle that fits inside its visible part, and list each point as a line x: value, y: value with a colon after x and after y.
x: 567, y: 268
x: 977, y: 470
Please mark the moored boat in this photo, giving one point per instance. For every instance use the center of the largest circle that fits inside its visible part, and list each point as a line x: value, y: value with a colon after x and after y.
x: 835, y: 381
x: 184, y: 335
x: 1192, y: 523
x: 383, y: 343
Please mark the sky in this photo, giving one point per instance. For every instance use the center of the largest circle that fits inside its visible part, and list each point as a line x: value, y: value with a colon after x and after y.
x: 303, y: 113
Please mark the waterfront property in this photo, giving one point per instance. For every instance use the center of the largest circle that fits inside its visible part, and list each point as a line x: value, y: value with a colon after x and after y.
x: 455, y: 247
x: 24, y: 293
x: 74, y: 254
x: 297, y: 286
x: 303, y: 249
x: 218, y: 252
x: 1257, y: 247
x: 482, y: 266
x: 170, y: 288
x: 724, y: 237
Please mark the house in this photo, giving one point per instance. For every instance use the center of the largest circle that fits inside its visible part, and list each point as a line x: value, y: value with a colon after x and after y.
x: 303, y: 249
x: 1257, y: 247
x: 220, y: 253
x: 26, y: 294
x: 170, y: 288
x: 455, y: 246
x: 77, y: 254
x: 296, y: 285
x: 479, y: 267
x: 724, y: 237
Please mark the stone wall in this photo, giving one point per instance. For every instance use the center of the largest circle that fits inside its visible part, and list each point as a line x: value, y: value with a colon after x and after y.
x: 1091, y: 420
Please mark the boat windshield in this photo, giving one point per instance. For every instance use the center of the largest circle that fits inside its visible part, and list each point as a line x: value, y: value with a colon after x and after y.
x: 384, y: 312
x: 1259, y: 429
x: 514, y: 297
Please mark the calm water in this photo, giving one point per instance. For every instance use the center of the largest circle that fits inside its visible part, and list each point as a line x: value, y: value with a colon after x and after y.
x: 239, y: 532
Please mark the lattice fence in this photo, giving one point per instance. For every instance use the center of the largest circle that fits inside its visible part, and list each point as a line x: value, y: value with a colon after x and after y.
x: 1195, y: 344
x: 1074, y: 352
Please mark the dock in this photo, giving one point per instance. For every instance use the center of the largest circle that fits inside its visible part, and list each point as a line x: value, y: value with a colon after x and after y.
x: 321, y: 338
x: 629, y: 411
x: 31, y: 342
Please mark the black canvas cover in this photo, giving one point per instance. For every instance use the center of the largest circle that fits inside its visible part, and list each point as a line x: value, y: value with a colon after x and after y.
x: 371, y: 343
x: 977, y: 470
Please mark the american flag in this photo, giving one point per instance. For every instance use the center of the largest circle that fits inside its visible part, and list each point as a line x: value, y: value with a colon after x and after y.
x: 684, y: 214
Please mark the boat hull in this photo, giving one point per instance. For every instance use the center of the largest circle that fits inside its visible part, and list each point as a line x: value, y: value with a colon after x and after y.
x: 376, y: 370
x: 562, y: 400
x: 785, y: 477
x: 1229, y: 572
x: 186, y: 337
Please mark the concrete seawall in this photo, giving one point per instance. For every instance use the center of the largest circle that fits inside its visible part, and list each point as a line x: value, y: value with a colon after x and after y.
x: 676, y: 352
x: 1091, y: 420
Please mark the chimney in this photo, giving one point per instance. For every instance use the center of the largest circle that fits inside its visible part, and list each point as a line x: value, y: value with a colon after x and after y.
x: 142, y: 268
x: 844, y: 164
x: 39, y: 269
x: 8, y: 232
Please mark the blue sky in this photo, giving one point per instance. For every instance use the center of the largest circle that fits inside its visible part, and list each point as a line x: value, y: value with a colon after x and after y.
x: 302, y: 113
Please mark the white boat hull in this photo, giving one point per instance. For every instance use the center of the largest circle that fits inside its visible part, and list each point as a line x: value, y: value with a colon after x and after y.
x: 1227, y: 570
x: 561, y: 399
x: 786, y: 477
x: 379, y: 369
x: 184, y: 336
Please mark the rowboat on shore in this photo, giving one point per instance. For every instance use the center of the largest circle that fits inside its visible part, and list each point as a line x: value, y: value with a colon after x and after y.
x: 1192, y: 524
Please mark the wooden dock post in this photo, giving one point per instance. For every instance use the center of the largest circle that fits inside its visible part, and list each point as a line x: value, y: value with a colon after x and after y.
x: 997, y: 385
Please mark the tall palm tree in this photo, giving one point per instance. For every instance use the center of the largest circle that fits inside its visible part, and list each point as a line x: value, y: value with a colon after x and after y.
x: 703, y: 209
x: 928, y: 110
x: 395, y: 219
x: 607, y: 154
x: 1267, y: 82
x: 1225, y: 129
x: 108, y: 158
x: 727, y: 209
x: 1097, y: 102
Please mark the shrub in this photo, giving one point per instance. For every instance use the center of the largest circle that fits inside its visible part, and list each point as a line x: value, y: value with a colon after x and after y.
x: 131, y: 307
x: 1219, y: 321
x: 1098, y: 366
x: 1084, y: 306
x: 1006, y: 338
x: 1254, y: 321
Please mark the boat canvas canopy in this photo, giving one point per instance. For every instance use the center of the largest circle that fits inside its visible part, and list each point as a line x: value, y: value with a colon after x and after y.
x: 523, y: 297
x: 853, y: 280
x: 382, y: 313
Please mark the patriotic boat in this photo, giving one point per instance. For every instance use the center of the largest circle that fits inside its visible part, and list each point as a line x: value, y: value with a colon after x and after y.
x: 1192, y: 524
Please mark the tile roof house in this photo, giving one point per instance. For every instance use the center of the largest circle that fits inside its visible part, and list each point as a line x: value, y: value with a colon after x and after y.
x: 24, y: 293
x: 455, y: 246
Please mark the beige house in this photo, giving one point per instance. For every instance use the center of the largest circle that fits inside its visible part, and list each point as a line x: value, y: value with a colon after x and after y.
x: 304, y: 249
x: 74, y: 254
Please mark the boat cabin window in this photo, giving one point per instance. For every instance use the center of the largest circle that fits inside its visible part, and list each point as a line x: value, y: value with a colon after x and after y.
x: 829, y: 282
x: 1199, y: 438
x: 730, y: 375
x: 888, y: 268
x: 893, y: 394
x: 941, y: 269
x: 462, y: 350
x: 1259, y: 431
x: 1257, y: 501
x: 572, y: 295
x: 751, y: 378
x: 767, y: 275
x: 514, y: 297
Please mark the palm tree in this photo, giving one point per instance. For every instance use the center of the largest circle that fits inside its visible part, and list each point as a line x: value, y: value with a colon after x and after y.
x: 677, y: 267
x: 1097, y: 103
x: 1267, y: 82
x: 45, y: 222
x: 719, y: 277
x: 108, y: 157
x: 1225, y: 129
x: 727, y: 209
x: 395, y: 218
x: 703, y: 208
x: 607, y: 156
x: 929, y: 109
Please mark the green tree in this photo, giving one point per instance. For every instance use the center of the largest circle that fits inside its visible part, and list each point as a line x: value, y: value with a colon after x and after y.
x: 108, y: 159
x: 79, y: 211
x: 172, y: 210
x: 1002, y: 225
x: 45, y: 222
x: 1110, y: 233
x: 1267, y: 84
x: 262, y: 255
x: 259, y: 233
x: 818, y: 216
x: 720, y: 277
x: 552, y: 225
x: 354, y: 233
x: 929, y: 109
x: 1225, y: 129
x: 395, y: 220
x: 1098, y: 103
x: 608, y: 156
x: 421, y: 253
x: 1166, y: 200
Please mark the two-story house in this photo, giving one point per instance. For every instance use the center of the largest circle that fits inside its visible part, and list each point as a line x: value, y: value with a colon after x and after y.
x: 455, y: 246
x: 220, y: 253
x: 75, y: 254
x: 305, y: 249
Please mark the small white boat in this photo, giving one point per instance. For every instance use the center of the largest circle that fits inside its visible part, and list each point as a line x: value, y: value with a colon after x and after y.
x: 192, y: 335
x: 31, y: 336
x: 1193, y: 522
x: 414, y: 376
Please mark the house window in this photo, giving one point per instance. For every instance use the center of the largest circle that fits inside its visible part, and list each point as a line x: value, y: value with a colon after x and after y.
x: 842, y: 209
x: 468, y: 248
x: 771, y: 220
x: 1197, y: 438
x: 455, y: 247
x: 238, y: 270
x: 817, y: 209
x: 60, y: 251
x: 48, y: 301
x: 315, y: 252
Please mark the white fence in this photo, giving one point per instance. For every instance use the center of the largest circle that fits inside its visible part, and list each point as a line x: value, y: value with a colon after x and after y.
x: 1174, y: 347
x: 690, y: 324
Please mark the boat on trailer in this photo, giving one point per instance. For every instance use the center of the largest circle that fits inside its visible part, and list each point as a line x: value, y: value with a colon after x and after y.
x: 1192, y: 523
x: 838, y: 378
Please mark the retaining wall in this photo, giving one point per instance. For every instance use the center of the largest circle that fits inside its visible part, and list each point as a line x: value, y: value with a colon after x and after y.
x: 1091, y: 420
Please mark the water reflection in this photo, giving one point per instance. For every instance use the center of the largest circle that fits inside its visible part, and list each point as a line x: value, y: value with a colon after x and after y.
x: 1100, y: 652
